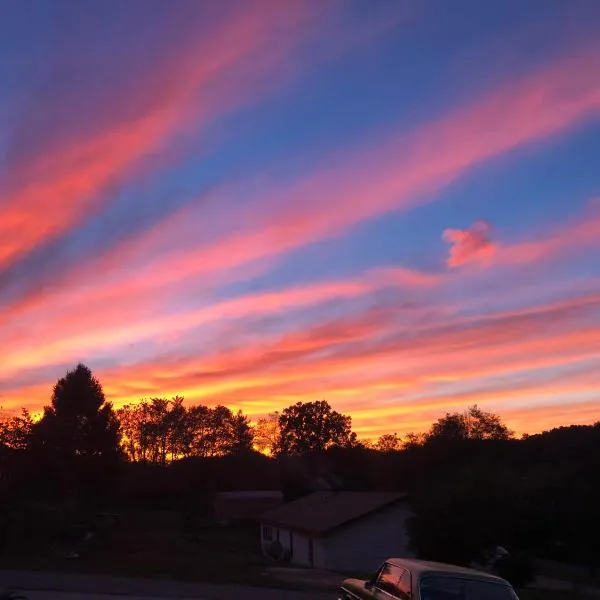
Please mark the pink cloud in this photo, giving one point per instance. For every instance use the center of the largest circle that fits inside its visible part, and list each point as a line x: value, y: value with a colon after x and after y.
x: 87, y: 322
x: 377, y: 179
x: 471, y: 245
x: 64, y: 183
x: 370, y: 181
x: 399, y: 171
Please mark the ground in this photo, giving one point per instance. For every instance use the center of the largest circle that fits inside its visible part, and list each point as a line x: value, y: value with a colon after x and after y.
x: 61, y: 586
x: 152, y: 544
x: 543, y: 594
x: 146, y: 555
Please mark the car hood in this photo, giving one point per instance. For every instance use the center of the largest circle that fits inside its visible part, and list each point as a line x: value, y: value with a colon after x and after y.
x: 355, y: 586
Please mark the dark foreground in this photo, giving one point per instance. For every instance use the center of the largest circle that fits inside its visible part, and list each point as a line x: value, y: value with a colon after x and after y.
x: 51, y: 586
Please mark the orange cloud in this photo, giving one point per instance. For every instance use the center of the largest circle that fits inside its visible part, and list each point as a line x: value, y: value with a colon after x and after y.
x: 361, y: 353
x: 525, y: 408
x: 548, y: 416
x: 396, y: 380
x: 355, y: 366
x: 87, y: 323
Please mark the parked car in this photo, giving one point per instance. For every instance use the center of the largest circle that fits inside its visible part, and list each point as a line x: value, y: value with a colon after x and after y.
x: 406, y: 579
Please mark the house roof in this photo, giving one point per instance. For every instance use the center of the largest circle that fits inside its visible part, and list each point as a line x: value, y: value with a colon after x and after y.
x: 321, y: 512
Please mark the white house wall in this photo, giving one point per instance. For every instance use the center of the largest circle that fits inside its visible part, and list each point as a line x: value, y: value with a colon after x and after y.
x: 361, y: 546
x: 320, y: 553
x: 300, y: 554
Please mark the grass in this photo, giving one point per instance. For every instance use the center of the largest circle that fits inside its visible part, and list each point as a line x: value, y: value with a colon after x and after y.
x: 538, y: 594
x: 150, y: 544
x: 578, y: 575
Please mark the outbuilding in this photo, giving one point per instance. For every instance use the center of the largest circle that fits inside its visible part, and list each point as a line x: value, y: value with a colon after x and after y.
x: 340, y: 531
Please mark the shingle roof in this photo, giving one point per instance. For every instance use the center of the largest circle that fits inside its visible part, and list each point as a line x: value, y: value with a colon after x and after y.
x: 319, y: 513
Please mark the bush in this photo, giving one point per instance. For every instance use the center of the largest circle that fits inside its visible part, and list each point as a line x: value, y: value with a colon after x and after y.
x: 274, y: 550
x: 517, y: 570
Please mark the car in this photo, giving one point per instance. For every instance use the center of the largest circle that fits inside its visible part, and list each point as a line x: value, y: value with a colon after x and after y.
x: 404, y: 579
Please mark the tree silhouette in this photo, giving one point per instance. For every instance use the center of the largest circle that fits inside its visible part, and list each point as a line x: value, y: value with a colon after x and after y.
x: 216, y: 432
x: 79, y: 435
x: 153, y: 430
x: 484, y: 425
x: 15, y: 432
x: 266, y: 434
x: 160, y: 430
x: 389, y: 442
x: 241, y: 436
x: 452, y: 427
x: 413, y: 440
x: 473, y: 424
x: 79, y: 421
x: 131, y: 441
x: 536, y: 495
x: 313, y: 427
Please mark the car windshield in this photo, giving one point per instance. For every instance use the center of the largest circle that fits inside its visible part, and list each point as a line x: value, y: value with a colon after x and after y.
x: 436, y: 587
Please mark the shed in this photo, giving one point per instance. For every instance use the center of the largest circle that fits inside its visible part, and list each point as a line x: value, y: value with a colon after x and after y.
x: 342, y: 531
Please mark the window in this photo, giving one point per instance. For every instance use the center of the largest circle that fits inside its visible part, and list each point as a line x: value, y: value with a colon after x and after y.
x: 457, y: 588
x: 267, y: 533
x: 485, y: 590
x: 404, y: 587
x: 394, y: 580
x: 387, y: 579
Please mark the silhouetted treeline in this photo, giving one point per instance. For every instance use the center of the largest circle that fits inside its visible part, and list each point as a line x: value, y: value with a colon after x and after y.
x: 160, y: 430
x: 471, y: 483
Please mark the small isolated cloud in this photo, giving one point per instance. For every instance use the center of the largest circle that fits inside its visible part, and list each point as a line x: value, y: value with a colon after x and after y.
x: 470, y: 245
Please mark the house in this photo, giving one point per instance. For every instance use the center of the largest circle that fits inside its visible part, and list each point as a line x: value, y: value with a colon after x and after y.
x: 244, y: 506
x: 341, y: 531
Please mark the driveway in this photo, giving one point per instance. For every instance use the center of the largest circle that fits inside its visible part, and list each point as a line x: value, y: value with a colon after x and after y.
x: 63, y: 586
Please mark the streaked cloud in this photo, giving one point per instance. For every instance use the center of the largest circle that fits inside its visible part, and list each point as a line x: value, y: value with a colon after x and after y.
x: 400, y: 170
x: 197, y: 84
x: 581, y: 234
x: 196, y: 221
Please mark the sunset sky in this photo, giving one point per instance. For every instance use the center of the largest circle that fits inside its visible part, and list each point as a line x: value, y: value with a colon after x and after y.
x: 390, y: 205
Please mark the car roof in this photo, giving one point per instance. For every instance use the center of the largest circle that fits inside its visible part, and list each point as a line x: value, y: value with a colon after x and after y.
x: 421, y: 567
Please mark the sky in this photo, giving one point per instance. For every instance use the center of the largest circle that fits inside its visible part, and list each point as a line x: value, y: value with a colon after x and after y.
x: 393, y: 206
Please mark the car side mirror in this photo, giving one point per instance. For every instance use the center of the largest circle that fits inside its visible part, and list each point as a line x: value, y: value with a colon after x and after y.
x: 369, y: 585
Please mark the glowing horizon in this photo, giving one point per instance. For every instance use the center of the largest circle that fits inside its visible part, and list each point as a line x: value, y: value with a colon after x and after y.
x: 259, y: 203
